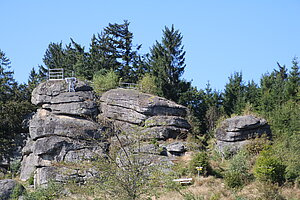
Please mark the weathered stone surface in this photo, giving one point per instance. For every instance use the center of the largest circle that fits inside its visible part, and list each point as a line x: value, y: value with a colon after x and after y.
x: 62, y: 174
x: 28, y: 166
x: 234, y: 132
x: 145, y: 115
x: 143, y: 103
x: 163, y: 133
x: 122, y: 114
x: 47, y: 92
x: 62, y: 130
x: 176, y: 147
x: 6, y: 188
x: 44, y: 123
x: 167, y: 121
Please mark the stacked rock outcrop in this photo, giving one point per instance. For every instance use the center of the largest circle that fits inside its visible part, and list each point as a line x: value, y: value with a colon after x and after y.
x: 235, y: 132
x: 62, y: 130
x: 153, y: 120
x: 150, y: 116
x: 65, y: 130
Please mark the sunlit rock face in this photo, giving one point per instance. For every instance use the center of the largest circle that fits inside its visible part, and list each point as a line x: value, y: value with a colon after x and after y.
x: 150, y: 116
x: 62, y: 130
x: 235, y: 132
x: 72, y: 127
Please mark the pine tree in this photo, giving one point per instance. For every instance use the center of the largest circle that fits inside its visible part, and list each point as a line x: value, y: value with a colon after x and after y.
x: 167, y: 63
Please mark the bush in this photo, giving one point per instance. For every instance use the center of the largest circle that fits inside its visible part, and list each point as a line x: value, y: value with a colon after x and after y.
x: 17, y: 191
x: 15, y: 167
x: 200, y: 160
x: 257, y: 145
x: 52, y: 191
x: 105, y: 81
x: 269, y: 168
x: 237, y: 174
x: 148, y: 85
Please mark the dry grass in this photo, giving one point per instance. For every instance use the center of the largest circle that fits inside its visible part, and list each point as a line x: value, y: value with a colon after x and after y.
x: 211, y: 188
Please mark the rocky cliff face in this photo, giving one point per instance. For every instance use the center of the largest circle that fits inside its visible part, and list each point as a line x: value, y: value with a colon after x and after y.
x: 62, y: 130
x: 65, y: 130
x: 237, y: 131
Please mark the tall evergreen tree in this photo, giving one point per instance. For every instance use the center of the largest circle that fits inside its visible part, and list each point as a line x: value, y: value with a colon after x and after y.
x: 6, y: 78
x: 113, y: 49
x: 14, y: 104
x: 233, y: 97
x: 294, y: 81
x: 167, y: 63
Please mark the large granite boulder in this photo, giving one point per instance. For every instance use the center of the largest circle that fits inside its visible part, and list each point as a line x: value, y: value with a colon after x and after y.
x: 150, y: 116
x: 7, y: 187
x: 235, y: 132
x: 61, y: 131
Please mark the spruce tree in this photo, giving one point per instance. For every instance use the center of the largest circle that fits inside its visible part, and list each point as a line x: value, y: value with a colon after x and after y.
x: 113, y: 50
x: 294, y: 81
x: 167, y: 63
x: 233, y: 97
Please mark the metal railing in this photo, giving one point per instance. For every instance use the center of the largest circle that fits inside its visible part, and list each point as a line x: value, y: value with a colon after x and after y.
x: 128, y: 85
x: 56, y: 74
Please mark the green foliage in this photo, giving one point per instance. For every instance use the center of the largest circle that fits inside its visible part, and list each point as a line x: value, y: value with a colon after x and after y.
x: 17, y: 192
x: 166, y: 63
x: 148, y: 85
x: 15, y: 167
x: 237, y: 174
x: 14, y: 105
x: 234, y: 94
x: 113, y: 49
x: 256, y: 145
x: 104, y: 82
x: 269, y: 168
x: 31, y: 179
x: 51, y: 192
x: 200, y: 159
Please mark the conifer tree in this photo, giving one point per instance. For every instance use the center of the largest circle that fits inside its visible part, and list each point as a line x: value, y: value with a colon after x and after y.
x: 294, y: 81
x: 113, y: 49
x: 233, y: 97
x: 167, y: 63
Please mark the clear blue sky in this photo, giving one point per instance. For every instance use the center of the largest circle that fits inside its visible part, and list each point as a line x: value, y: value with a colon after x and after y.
x: 220, y: 37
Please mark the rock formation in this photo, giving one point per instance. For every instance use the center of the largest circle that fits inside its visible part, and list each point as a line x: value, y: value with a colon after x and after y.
x: 235, y: 132
x: 62, y: 130
x: 150, y: 116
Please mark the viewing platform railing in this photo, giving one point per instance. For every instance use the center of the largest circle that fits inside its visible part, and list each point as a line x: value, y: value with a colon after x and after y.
x: 56, y: 74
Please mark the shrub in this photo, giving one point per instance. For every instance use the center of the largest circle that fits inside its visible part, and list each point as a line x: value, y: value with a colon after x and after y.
x: 15, y: 167
x: 257, y: 145
x: 148, y: 85
x: 31, y: 179
x: 105, y: 81
x: 200, y: 160
x: 269, y: 168
x: 17, y: 191
x: 52, y: 191
x: 237, y: 174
